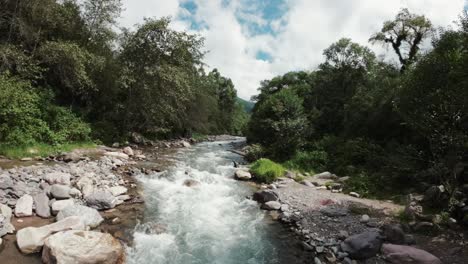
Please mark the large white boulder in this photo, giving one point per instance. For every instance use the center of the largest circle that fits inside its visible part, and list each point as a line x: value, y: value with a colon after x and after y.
x: 243, y: 175
x: 59, y: 191
x: 128, y: 151
x: 88, y: 215
x: 82, y: 247
x: 5, y: 220
x: 41, y: 200
x: 31, y: 239
x: 24, y: 206
x: 58, y: 206
x: 57, y: 178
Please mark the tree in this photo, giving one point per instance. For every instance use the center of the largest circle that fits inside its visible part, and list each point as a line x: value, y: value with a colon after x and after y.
x: 405, y: 34
x: 100, y: 17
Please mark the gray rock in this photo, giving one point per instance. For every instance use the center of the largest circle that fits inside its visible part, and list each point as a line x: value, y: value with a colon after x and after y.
x: 128, y: 151
x: 24, y: 206
x: 365, y: 219
x: 362, y: 246
x: 354, y: 194
x: 60, y: 191
x: 88, y: 215
x: 243, y: 175
x: 408, y: 255
x: 332, y: 211
x: 308, y: 183
x: 118, y: 190
x: 394, y: 234
x: 265, y: 196
x: 424, y: 227
x: 101, y: 200
x: 75, y: 193
x: 5, y: 182
x: 57, y: 178
x: 271, y: 205
x: 41, y: 200
x: 5, y: 220
x: 58, y: 206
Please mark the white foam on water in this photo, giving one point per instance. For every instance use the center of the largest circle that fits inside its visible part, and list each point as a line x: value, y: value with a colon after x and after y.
x: 211, y: 222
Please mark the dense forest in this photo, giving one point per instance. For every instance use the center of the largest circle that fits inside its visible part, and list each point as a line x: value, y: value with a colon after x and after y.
x: 68, y: 74
x: 390, y: 126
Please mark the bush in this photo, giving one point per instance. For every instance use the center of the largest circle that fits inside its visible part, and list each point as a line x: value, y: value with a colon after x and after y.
x: 254, y: 152
x: 267, y: 171
x: 313, y: 161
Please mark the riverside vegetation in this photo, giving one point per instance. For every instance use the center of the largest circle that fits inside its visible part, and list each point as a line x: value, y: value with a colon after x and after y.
x: 67, y: 76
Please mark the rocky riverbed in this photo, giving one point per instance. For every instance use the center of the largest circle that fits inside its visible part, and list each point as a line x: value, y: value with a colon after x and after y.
x: 343, y: 228
x: 80, y: 206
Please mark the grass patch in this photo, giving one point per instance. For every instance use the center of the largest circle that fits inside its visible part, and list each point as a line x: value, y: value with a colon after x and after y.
x: 308, y: 161
x: 267, y: 171
x: 199, y: 137
x: 40, y: 149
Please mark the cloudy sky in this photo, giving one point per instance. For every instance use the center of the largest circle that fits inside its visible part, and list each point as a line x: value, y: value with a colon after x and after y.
x: 254, y: 40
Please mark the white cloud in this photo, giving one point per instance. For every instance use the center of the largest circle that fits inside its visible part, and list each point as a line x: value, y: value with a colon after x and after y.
x: 308, y: 27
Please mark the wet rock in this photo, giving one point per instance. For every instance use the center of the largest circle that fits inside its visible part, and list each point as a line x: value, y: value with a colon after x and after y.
x: 75, y: 193
x: 88, y: 215
x: 57, y: 178
x: 24, y: 206
x: 424, y: 227
x: 191, y: 183
x: 41, y: 201
x: 271, y: 205
x: 362, y: 246
x: 243, y: 175
x: 58, y: 206
x: 407, y: 255
x: 101, y: 200
x: 394, y: 234
x: 60, y: 191
x: 265, y: 196
x: 185, y: 144
x: 82, y: 247
x: 317, y: 261
x: 31, y: 239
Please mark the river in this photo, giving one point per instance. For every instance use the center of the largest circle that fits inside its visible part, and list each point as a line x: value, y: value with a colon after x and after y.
x: 211, y: 222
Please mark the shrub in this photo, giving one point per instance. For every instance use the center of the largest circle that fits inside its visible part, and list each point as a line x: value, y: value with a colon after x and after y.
x: 313, y: 161
x: 254, y: 152
x: 266, y: 170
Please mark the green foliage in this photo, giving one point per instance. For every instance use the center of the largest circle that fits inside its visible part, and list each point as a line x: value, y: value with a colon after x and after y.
x: 310, y: 161
x: 247, y: 105
x: 363, y: 184
x: 41, y: 149
x: 267, y: 171
x: 254, y: 152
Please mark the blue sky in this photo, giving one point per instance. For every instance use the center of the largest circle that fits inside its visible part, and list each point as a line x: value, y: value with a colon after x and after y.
x: 253, y: 40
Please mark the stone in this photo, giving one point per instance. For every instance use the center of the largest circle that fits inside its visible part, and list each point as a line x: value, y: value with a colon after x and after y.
x: 24, y: 206
x: 362, y: 246
x: 354, y: 194
x: 325, y: 176
x: 365, y: 219
x: 332, y: 211
x: 118, y: 190
x: 394, y: 234
x: 321, y: 188
x: 5, y: 220
x: 118, y: 155
x: 399, y: 254
x: 128, y: 151
x: 58, y: 206
x: 88, y: 215
x: 265, y: 196
x: 101, y: 200
x: 82, y: 247
x: 191, y: 183
x: 57, y: 178
x: 343, y: 179
x: 31, y: 239
x: 41, y: 202
x: 185, y: 144
x: 271, y: 205
x: 75, y: 193
x: 307, y: 183
x: 5, y: 182
x: 243, y: 175
x: 317, y: 261
x: 60, y: 191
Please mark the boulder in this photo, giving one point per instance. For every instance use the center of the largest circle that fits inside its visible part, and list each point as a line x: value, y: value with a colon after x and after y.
x: 24, y: 206
x: 394, y: 234
x: 5, y: 182
x: 41, y: 201
x: 265, y: 196
x: 272, y: 205
x: 408, y: 255
x: 185, y: 144
x: 31, y: 239
x: 326, y: 176
x: 128, y: 151
x: 58, y: 206
x: 101, y: 200
x: 60, y: 191
x: 82, y: 247
x: 362, y: 246
x: 307, y: 183
x: 354, y: 194
x: 57, y: 178
x: 243, y: 175
x: 5, y: 220
x: 88, y: 215
x: 118, y: 155
x: 75, y: 193
x: 118, y: 190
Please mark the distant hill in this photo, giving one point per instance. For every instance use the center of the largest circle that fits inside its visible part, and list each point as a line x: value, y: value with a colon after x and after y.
x: 248, y: 106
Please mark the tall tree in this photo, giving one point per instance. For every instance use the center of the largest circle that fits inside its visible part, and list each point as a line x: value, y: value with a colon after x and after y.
x: 405, y: 34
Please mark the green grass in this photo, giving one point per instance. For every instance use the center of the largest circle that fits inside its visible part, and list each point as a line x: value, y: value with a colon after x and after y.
x: 40, y: 149
x: 266, y: 170
x: 199, y: 137
x: 308, y: 162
